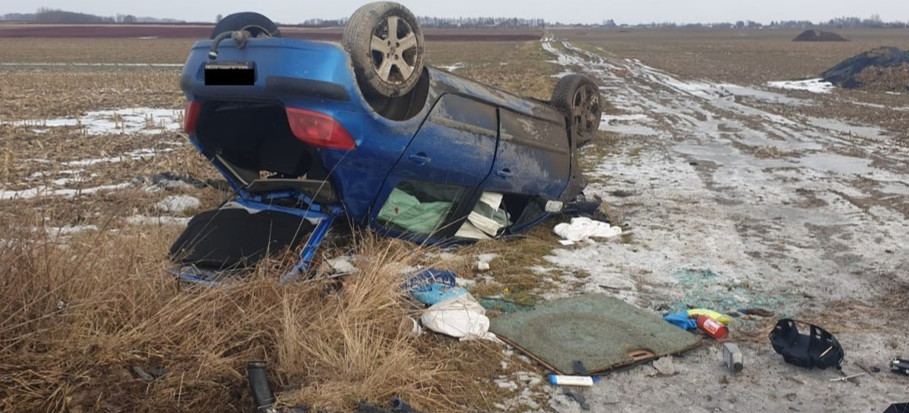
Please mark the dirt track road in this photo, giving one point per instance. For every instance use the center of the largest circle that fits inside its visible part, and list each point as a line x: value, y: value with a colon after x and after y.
x: 736, y: 200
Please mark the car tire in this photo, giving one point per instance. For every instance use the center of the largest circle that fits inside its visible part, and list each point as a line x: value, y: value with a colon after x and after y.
x: 386, y: 64
x: 578, y: 97
x: 256, y: 24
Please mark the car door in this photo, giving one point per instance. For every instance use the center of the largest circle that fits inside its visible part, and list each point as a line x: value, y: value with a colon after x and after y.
x: 533, y: 157
x: 440, y: 170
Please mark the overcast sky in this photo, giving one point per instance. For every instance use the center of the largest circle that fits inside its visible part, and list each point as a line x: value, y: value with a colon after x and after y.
x: 566, y: 11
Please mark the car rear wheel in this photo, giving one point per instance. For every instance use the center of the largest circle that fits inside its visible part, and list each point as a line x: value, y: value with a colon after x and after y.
x: 256, y: 24
x: 578, y: 96
x: 385, y: 43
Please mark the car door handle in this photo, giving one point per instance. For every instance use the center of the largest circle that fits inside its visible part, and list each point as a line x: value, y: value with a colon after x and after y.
x: 504, y: 172
x: 419, y: 158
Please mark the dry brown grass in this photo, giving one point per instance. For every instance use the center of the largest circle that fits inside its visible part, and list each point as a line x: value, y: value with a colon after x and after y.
x: 78, y: 313
x: 46, y: 94
x: 517, y: 67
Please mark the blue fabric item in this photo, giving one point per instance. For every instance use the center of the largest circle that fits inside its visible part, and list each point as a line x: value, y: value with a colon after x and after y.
x: 437, y: 292
x: 681, y: 320
x: 428, y: 277
x: 431, y: 286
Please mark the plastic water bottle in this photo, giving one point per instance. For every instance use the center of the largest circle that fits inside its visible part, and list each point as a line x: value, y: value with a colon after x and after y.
x: 562, y: 380
x: 713, y: 328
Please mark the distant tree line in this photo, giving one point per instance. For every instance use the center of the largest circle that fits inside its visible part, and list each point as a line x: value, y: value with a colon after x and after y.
x: 448, y: 22
x: 874, y: 22
x: 44, y: 15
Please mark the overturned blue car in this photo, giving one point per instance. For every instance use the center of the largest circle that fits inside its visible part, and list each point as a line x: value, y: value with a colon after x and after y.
x: 310, y: 133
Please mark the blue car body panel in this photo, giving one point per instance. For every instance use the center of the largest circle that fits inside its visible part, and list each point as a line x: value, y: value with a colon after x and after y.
x: 465, y: 135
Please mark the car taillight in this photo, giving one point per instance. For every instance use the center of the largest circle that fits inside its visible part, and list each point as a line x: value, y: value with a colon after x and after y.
x: 319, y: 129
x: 190, y: 116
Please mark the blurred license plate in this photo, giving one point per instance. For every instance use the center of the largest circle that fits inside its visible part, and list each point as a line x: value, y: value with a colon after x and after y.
x: 229, y: 74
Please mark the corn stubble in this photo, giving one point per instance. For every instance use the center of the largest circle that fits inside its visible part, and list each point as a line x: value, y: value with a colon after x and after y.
x: 79, y: 313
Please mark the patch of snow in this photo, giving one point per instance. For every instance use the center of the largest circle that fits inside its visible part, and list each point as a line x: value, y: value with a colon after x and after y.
x: 138, y: 154
x: 47, y: 191
x: 114, y: 122
x: 627, y: 125
x: 178, y: 203
x: 453, y: 67
x: 161, y: 220
x: 811, y: 85
x: 506, y: 383
x: 837, y: 125
x: 70, y: 229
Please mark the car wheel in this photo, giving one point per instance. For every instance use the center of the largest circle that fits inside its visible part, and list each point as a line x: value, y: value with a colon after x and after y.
x: 256, y: 24
x: 385, y: 43
x: 578, y: 96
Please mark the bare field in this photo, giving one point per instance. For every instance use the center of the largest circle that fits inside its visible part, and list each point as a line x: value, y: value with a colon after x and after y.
x: 92, y: 50
x: 736, y: 56
x: 711, y: 168
x: 200, y: 31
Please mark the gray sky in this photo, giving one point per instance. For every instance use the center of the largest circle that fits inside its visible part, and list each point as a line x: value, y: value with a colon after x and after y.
x: 566, y: 11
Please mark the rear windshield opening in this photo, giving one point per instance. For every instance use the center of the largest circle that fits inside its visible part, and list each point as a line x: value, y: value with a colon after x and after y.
x: 254, y: 141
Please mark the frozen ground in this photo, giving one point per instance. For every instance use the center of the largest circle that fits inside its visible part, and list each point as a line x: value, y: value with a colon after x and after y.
x: 734, y: 201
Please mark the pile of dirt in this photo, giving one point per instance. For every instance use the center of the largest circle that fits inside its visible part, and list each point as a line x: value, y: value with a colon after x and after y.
x: 818, y: 36
x: 881, y: 69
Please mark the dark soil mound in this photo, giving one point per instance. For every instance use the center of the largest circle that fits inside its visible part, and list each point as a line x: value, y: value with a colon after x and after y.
x: 885, y: 68
x: 818, y: 36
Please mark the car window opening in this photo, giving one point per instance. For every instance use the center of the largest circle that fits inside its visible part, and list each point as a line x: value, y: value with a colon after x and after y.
x: 419, y: 207
x: 253, y: 140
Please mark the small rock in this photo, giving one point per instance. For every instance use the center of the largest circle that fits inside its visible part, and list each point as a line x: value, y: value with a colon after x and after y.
x: 157, y: 371
x: 665, y: 366
x: 140, y: 373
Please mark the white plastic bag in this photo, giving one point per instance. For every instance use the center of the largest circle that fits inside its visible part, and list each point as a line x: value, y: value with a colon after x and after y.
x: 582, y: 228
x: 462, y: 317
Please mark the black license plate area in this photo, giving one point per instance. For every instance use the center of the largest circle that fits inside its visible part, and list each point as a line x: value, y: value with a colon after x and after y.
x: 230, y: 74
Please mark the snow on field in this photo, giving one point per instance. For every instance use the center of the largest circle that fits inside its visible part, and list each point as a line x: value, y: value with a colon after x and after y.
x: 453, y: 67
x: 158, y: 220
x: 721, y: 179
x: 737, y: 201
x: 810, y: 85
x: 113, y: 122
x: 133, y: 155
x: 178, y: 203
x: 48, y: 191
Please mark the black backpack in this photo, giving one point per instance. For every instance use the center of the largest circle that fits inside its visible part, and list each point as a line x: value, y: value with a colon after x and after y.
x: 817, y: 349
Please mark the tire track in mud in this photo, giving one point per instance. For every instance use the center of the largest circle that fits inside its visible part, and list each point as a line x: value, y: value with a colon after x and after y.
x: 729, y: 182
